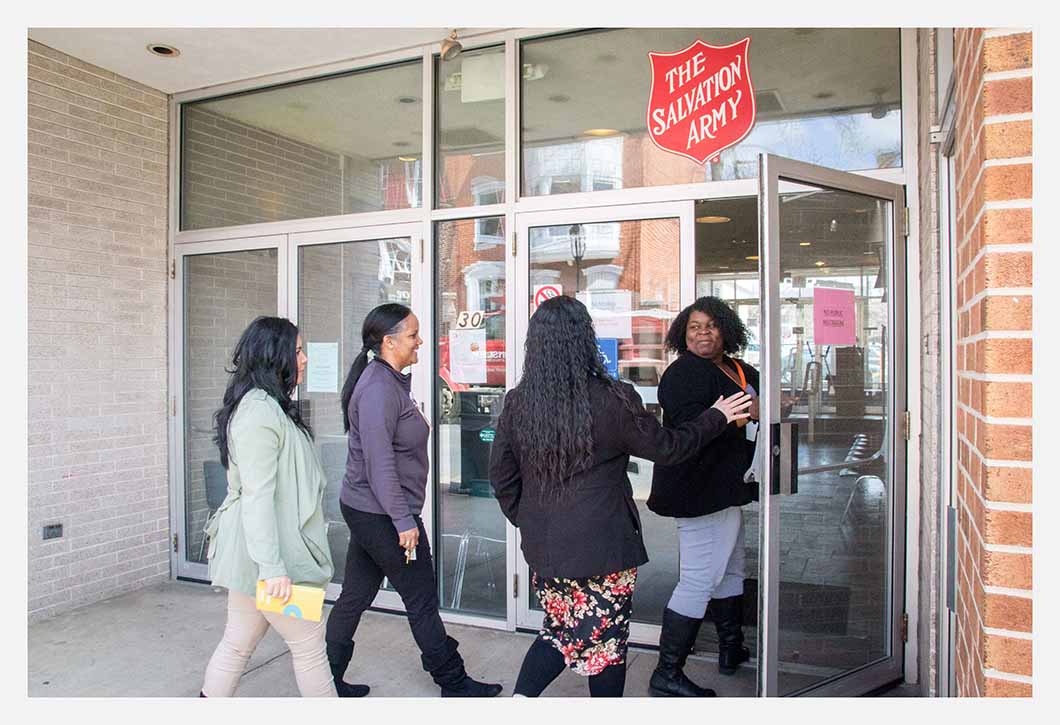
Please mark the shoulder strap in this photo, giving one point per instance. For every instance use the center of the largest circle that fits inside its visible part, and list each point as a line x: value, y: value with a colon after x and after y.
x: 741, y: 380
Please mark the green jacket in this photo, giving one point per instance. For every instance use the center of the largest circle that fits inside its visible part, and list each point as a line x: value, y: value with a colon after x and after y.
x: 272, y: 520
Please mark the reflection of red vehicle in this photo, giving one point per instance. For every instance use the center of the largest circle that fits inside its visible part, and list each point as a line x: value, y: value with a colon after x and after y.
x: 641, y: 358
x: 495, y: 362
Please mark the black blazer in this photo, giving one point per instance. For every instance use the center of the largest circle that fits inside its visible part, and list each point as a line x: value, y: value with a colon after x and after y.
x: 596, y: 528
x: 713, y: 480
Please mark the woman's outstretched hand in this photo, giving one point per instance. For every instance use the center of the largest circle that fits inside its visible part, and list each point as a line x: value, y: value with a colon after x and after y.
x: 734, y: 407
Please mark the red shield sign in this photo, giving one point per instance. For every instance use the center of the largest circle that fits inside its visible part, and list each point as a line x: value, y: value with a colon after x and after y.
x: 702, y: 101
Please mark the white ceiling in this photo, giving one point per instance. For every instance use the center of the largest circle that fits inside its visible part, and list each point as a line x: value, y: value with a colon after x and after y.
x: 210, y: 56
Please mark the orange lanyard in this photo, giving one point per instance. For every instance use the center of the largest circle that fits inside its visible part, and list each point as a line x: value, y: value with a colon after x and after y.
x: 742, y: 381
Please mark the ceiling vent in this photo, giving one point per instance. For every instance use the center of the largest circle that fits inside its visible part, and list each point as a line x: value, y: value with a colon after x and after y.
x: 465, y: 136
x: 768, y: 102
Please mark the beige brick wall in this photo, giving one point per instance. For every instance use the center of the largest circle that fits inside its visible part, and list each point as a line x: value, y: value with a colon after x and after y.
x: 97, y: 332
x: 994, y: 74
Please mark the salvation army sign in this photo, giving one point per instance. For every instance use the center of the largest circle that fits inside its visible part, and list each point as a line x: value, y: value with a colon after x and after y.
x: 701, y: 101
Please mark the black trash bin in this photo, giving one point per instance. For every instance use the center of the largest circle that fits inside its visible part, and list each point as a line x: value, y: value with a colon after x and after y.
x: 479, y: 411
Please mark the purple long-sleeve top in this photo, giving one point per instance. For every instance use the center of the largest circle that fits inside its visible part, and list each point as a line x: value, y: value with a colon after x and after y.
x: 386, y: 467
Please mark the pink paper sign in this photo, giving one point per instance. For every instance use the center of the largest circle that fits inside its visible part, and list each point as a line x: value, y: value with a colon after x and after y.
x: 833, y: 317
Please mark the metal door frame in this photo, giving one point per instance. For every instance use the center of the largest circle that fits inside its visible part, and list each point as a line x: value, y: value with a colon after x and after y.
x: 179, y: 562
x: 773, y: 172
x: 519, y: 302
x: 422, y: 372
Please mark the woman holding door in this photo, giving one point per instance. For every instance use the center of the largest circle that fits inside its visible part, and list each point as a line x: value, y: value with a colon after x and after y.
x: 558, y: 469
x: 381, y: 499
x: 705, y: 494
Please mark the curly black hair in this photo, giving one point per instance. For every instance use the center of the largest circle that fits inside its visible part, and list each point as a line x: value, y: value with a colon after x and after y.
x: 551, y: 418
x: 733, y: 331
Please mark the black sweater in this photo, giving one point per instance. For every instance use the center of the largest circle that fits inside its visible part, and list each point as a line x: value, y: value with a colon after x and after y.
x: 596, y: 528
x: 713, y: 480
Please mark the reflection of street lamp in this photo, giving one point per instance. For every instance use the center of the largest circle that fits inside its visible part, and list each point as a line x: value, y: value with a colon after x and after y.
x: 577, y: 250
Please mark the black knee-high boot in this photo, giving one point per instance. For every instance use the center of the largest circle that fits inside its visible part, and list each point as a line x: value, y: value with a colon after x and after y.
x: 446, y: 667
x: 339, y: 656
x: 728, y: 619
x: 675, y: 642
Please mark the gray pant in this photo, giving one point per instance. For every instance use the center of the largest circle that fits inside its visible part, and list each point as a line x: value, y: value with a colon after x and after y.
x: 712, y: 561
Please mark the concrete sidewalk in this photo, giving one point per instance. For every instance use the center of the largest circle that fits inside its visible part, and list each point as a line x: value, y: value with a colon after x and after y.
x: 156, y: 642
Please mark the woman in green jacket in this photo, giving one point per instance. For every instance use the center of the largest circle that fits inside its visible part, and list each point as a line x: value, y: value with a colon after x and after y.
x: 271, y: 524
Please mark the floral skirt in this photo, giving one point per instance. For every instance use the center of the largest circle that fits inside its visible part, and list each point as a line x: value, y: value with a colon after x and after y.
x: 588, y: 619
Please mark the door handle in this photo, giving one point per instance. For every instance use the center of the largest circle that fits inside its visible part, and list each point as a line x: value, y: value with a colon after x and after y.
x: 774, y: 455
x: 789, y: 458
x: 784, y: 448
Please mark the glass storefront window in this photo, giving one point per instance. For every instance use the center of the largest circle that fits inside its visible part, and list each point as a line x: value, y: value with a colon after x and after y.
x: 470, y: 127
x: 828, y: 96
x: 470, y: 317
x: 222, y: 293
x: 338, y: 145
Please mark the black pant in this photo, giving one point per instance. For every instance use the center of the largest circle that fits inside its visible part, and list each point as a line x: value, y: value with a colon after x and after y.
x: 374, y: 552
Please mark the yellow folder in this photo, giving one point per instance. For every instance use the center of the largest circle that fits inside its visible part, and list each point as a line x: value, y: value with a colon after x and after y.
x: 304, y: 603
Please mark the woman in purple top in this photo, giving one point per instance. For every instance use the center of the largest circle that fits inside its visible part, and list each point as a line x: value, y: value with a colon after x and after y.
x: 381, y: 500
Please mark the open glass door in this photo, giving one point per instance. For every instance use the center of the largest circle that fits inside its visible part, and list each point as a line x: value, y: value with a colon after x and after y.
x: 625, y: 264
x: 832, y: 513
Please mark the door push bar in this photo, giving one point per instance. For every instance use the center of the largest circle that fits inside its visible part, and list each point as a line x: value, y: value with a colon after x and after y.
x: 784, y: 447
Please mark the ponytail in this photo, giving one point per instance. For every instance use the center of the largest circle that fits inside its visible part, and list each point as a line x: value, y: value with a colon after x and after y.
x: 383, y: 320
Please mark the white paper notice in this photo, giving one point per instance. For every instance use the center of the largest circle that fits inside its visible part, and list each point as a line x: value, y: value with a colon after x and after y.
x: 467, y: 356
x: 611, y: 312
x: 322, y: 370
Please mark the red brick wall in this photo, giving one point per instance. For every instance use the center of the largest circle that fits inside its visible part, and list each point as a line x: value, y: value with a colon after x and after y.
x: 994, y: 300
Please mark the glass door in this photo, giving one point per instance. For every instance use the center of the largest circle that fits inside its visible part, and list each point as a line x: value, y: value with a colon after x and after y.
x: 221, y: 287
x: 336, y: 277
x: 625, y: 263
x: 832, y: 510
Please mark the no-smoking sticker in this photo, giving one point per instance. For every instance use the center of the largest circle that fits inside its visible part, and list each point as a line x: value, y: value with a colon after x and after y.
x: 546, y: 292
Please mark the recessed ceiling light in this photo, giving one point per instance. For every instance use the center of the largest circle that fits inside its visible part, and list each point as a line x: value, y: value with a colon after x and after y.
x: 752, y: 258
x: 559, y: 98
x: 819, y: 263
x: 162, y: 50
x: 408, y: 99
x: 407, y: 158
x: 600, y: 132
x: 400, y: 144
x: 713, y: 219
x: 823, y: 95
x: 804, y: 244
x: 606, y: 58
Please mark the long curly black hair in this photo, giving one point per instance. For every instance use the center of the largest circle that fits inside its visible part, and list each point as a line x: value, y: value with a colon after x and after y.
x: 265, y: 357
x: 733, y: 331
x: 551, y: 418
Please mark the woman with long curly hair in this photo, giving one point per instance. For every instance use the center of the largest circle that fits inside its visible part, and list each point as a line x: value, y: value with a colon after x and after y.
x: 704, y: 494
x: 271, y: 524
x: 558, y: 469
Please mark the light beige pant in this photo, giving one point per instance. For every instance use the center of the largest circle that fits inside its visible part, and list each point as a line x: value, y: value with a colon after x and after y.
x: 245, y: 628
